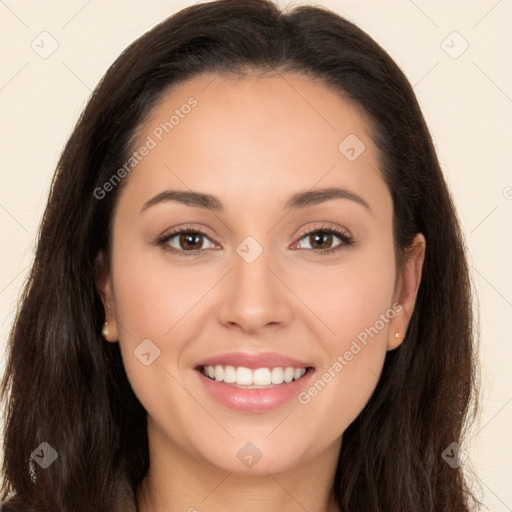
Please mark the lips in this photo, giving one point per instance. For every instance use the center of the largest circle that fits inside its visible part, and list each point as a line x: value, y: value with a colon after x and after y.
x: 254, y: 398
x: 254, y: 361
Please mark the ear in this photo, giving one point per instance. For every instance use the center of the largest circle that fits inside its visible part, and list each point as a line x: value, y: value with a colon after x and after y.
x: 104, y: 287
x: 406, y: 291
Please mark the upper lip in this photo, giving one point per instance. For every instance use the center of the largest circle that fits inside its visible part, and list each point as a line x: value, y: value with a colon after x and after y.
x: 253, y: 361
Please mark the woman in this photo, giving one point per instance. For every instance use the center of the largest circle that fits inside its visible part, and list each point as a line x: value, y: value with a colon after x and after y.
x: 178, y: 347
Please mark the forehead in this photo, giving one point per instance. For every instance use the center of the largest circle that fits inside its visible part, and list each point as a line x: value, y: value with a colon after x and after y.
x: 253, y: 135
x: 303, y: 108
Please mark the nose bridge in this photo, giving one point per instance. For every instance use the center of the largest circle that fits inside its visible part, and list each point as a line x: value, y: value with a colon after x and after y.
x: 256, y: 297
x: 251, y: 265
x: 254, y: 282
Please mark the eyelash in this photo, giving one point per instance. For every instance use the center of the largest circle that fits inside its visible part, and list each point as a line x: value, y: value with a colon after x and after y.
x: 345, y: 238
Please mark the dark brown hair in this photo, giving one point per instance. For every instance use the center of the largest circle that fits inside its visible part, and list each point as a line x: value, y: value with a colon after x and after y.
x: 66, y: 386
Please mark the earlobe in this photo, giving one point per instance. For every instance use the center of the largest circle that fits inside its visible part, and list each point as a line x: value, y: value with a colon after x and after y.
x: 104, y: 287
x: 407, y: 290
x: 395, y: 340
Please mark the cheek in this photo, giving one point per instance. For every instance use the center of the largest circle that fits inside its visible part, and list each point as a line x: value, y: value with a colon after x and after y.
x: 357, y: 307
x: 152, y: 295
x: 159, y: 302
x: 352, y: 296
x: 150, y: 301
x: 349, y: 374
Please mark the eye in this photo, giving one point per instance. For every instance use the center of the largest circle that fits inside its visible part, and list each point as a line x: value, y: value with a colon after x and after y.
x: 185, y: 242
x: 321, y: 238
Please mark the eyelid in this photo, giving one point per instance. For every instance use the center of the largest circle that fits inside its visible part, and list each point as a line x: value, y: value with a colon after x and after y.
x: 202, y: 230
x: 324, y: 227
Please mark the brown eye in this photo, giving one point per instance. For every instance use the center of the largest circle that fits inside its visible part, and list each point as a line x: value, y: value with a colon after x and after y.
x: 190, y: 241
x: 321, y: 240
x: 185, y: 242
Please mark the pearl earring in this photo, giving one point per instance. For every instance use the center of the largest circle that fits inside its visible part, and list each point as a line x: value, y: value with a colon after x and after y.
x: 104, y: 331
x: 397, y: 335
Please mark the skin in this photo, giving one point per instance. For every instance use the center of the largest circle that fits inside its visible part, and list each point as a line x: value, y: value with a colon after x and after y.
x: 253, y: 141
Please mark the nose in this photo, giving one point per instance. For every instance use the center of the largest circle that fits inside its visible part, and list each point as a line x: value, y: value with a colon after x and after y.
x: 255, y: 295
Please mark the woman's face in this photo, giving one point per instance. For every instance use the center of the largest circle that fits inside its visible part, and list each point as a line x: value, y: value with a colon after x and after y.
x: 217, y: 264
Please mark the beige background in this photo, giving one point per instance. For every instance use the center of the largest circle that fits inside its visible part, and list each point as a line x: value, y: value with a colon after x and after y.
x: 466, y: 98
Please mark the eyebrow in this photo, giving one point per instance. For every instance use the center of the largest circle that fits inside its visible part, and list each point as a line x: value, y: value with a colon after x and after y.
x: 213, y: 203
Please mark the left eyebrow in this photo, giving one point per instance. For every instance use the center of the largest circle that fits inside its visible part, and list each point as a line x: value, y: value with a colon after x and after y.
x: 317, y: 196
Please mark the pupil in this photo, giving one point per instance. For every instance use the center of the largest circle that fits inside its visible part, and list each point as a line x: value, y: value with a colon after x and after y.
x: 187, y: 238
x: 320, y: 235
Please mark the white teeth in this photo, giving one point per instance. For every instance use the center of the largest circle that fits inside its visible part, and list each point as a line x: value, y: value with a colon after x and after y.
x: 277, y: 376
x: 261, y: 377
x: 288, y: 374
x: 243, y: 376
x: 229, y: 375
x: 219, y: 373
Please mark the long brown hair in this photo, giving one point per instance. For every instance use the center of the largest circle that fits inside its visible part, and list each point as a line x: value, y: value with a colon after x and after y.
x: 64, y: 385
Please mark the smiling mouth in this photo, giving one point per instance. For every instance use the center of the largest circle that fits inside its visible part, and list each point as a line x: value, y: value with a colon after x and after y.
x: 259, y: 378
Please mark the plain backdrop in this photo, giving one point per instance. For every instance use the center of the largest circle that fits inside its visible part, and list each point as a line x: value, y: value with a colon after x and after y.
x: 456, y: 54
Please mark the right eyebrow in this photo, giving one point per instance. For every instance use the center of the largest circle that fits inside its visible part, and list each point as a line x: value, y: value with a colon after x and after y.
x: 189, y: 198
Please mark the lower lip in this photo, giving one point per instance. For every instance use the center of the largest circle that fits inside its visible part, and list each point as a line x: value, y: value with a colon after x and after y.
x: 254, y: 400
